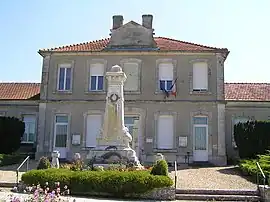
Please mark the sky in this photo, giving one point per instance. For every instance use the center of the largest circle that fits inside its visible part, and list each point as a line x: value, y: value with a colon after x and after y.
x: 242, y: 26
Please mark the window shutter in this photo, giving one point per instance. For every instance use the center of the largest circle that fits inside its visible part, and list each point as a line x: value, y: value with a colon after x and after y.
x: 165, y: 132
x: 165, y: 71
x: 200, y: 76
x: 97, y: 70
x: 93, y: 126
x: 132, y: 72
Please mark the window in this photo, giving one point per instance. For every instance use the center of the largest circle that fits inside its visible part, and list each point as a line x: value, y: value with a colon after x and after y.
x: 165, y: 132
x: 64, y: 77
x: 29, y: 135
x: 93, y: 126
x: 165, y: 76
x: 96, y: 77
x: 2, y: 114
x: 200, y: 76
x: 200, y: 125
x: 61, y: 131
x: 132, y: 72
x: 132, y: 123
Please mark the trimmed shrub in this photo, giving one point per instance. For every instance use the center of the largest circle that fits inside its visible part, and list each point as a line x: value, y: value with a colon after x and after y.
x: 248, y: 166
x: 11, y: 132
x: 115, y: 183
x: 252, y: 138
x: 9, y: 159
x: 160, y: 168
x: 43, y: 163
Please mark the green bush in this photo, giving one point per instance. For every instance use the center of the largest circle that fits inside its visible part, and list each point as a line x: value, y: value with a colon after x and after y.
x: 252, y: 138
x: 249, y: 167
x: 11, y: 132
x: 160, y: 168
x: 115, y: 183
x: 9, y: 159
x: 43, y: 163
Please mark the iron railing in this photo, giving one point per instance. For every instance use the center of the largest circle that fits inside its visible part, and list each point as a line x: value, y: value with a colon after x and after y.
x: 260, y: 172
x: 26, y: 160
x: 175, y: 175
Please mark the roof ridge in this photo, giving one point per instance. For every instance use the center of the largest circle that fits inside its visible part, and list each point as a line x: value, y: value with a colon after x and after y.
x: 190, y: 43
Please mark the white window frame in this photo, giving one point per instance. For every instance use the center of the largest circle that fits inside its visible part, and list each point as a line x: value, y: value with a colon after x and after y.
x: 61, y: 124
x: 35, y: 134
x: 168, y: 77
x: 158, y: 135
x: 96, y: 73
x: 201, y: 125
x: 206, y: 85
x: 64, y: 66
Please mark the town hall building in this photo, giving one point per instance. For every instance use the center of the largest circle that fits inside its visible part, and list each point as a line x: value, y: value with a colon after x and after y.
x: 176, y: 100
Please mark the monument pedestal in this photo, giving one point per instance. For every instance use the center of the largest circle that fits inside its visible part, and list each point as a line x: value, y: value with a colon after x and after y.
x: 113, y: 141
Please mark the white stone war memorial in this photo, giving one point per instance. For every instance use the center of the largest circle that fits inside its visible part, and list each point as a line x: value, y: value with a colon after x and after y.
x: 113, y: 142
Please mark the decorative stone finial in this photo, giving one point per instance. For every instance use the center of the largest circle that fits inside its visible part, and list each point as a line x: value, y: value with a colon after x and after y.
x: 116, y: 68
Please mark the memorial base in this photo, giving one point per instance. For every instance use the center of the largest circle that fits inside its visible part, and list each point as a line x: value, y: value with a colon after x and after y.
x: 113, y: 155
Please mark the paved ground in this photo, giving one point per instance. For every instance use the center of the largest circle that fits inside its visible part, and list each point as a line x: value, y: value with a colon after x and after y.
x: 8, y: 174
x: 4, y: 196
x: 188, y: 178
x: 227, y: 177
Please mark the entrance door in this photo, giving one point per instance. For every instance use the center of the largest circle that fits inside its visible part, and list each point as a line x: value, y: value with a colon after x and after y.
x: 60, y: 135
x: 132, y: 123
x: 200, y: 139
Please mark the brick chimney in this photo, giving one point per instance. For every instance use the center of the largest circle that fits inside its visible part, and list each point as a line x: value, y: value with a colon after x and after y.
x: 117, y: 21
x: 147, y: 21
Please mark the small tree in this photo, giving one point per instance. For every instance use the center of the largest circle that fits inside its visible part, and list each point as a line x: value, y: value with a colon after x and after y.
x: 160, y: 168
x: 11, y: 132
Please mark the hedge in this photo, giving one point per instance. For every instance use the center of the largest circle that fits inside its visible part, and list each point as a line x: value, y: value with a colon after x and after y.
x: 249, y: 167
x: 116, y: 183
x: 252, y: 138
x: 9, y: 159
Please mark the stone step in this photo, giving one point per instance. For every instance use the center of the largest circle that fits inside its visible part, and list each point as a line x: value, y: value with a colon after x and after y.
x: 209, y: 197
x: 218, y: 192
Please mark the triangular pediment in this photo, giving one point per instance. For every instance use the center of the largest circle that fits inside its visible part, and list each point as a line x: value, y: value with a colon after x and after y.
x: 132, y: 35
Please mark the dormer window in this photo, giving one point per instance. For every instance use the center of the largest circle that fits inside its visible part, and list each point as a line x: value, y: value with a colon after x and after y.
x: 165, y: 76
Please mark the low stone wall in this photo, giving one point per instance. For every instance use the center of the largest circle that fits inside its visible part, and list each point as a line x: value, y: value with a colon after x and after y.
x: 265, y: 193
x: 165, y: 194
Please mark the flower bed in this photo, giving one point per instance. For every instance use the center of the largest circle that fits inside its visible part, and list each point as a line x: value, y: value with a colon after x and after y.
x: 108, y: 182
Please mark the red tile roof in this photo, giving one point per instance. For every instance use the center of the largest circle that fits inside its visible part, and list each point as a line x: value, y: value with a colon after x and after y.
x: 233, y: 91
x: 18, y: 91
x: 164, y: 44
x: 247, y: 91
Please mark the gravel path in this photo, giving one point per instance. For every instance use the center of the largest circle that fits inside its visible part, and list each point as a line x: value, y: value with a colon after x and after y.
x: 227, y: 177
x: 188, y: 178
